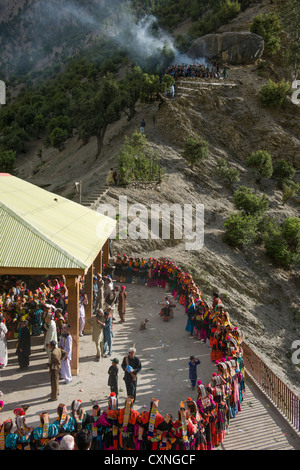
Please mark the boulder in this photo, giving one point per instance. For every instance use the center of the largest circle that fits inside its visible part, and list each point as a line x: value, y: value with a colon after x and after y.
x: 236, y: 48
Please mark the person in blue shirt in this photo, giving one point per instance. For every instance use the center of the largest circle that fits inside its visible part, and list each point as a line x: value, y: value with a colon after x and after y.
x: 107, y: 333
x: 194, y: 362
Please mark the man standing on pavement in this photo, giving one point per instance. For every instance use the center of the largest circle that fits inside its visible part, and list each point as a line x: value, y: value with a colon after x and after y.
x: 66, y: 343
x: 122, y: 299
x: 100, y: 283
x: 98, y: 322
x: 56, y: 355
x: 131, y: 365
x: 51, y: 333
x: 108, y: 333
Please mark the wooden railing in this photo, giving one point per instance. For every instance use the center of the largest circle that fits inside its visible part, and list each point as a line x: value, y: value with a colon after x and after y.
x: 286, y: 401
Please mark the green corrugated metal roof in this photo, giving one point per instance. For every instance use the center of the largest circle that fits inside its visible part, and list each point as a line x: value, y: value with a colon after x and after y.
x: 39, y: 229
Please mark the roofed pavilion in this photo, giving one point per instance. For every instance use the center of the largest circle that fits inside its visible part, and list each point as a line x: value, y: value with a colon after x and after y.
x: 42, y: 233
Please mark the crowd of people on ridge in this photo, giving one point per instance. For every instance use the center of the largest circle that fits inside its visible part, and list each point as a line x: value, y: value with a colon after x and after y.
x: 197, y: 70
x: 201, y: 424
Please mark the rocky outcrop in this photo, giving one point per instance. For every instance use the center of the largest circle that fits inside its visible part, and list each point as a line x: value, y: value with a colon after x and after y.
x: 236, y: 48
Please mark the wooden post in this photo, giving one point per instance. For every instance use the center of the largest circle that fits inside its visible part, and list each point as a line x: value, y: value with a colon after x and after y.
x: 88, y: 290
x: 98, y: 263
x: 73, y: 319
x: 106, y: 253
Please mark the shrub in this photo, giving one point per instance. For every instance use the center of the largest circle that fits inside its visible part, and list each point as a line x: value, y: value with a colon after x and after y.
x: 7, y: 160
x: 268, y: 27
x: 290, y: 190
x: 261, y: 164
x: 136, y: 162
x: 57, y: 138
x: 241, y: 229
x: 245, y: 200
x: 282, y: 244
x: 225, y: 172
x: 276, y: 248
x: 195, y: 150
x: 275, y: 94
x: 283, y: 172
x: 291, y: 233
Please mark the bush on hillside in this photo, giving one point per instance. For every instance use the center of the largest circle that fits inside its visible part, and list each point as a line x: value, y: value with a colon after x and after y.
x: 241, y: 229
x: 227, y: 173
x: 290, y: 190
x: 261, y: 164
x: 274, y: 94
x: 195, y: 150
x: 269, y: 28
x: 283, y: 172
x: 282, y: 243
x: 7, y: 161
x: 137, y: 162
x: 246, y: 201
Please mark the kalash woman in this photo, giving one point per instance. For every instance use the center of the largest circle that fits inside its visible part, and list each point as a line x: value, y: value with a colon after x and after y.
x: 182, y: 429
x: 81, y: 417
x: 107, y: 424
x: 118, y: 268
x: 44, y: 432
x: 219, y: 392
x: 198, y: 439
x: 127, y: 425
x: 95, y: 431
x: 64, y: 422
x: 207, y: 409
x: 150, y: 423
x: 8, y: 439
x: 143, y: 271
x: 21, y: 438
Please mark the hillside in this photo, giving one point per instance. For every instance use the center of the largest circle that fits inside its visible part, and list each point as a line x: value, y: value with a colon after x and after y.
x: 261, y: 298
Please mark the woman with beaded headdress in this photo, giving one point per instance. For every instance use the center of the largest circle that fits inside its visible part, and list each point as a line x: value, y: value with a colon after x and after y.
x: 127, y: 421
x: 223, y: 371
x: 64, y: 421
x: 149, y: 427
x: 118, y: 268
x: 143, y: 271
x: 107, y: 424
x: 207, y: 409
x: 218, y: 385
x: 8, y: 439
x: 198, y: 439
x: 182, y: 429
x: 46, y: 431
x: 94, y: 429
x: 21, y: 438
x: 81, y: 417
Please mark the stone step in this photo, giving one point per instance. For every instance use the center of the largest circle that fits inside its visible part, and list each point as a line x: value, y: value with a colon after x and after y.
x: 95, y: 198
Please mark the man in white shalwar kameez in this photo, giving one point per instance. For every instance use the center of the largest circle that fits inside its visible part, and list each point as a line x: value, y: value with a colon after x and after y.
x: 65, y: 343
x: 3, y: 343
x: 51, y: 333
x: 83, y: 301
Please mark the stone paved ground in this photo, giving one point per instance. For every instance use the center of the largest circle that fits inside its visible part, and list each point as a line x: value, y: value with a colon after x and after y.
x: 164, y: 350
